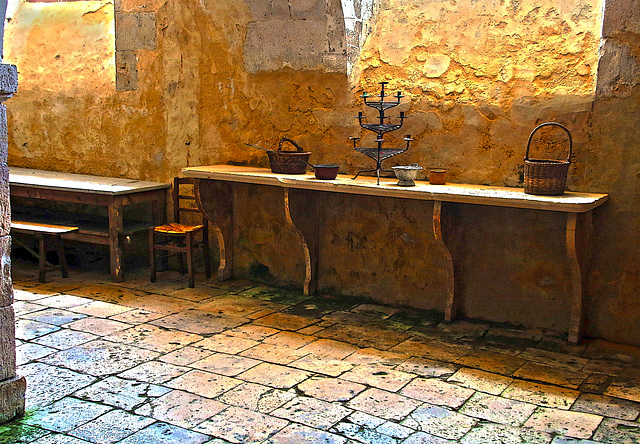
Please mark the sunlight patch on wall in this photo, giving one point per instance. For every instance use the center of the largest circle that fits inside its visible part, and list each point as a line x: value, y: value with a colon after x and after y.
x: 65, y: 46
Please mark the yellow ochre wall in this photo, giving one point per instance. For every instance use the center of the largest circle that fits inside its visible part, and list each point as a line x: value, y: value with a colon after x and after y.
x: 477, y: 78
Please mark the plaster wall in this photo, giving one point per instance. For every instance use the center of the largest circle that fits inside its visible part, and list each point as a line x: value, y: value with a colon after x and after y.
x: 477, y: 76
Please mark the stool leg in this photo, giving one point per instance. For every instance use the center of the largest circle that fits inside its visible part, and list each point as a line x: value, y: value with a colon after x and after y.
x: 189, y: 240
x: 61, y: 257
x: 205, y: 247
x: 152, y: 255
x: 42, y: 259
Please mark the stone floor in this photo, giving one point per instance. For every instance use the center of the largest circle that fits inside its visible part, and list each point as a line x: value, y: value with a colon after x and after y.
x: 238, y: 362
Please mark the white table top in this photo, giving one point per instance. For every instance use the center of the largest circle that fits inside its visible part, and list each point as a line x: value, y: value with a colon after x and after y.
x: 569, y: 202
x: 54, y: 180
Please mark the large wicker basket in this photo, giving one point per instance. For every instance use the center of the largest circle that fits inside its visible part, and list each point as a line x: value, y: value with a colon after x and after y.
x: 288, y: 162
x: 543, y: 176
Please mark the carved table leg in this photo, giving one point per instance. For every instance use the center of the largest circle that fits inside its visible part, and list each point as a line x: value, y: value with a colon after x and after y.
x: 578, y: 240
x: 116, y: 228
x: 215, y: 200
x: 303, y: 244
x: 451, y: 305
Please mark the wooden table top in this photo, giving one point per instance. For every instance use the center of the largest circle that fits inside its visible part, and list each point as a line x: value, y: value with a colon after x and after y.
x: 54, y: 180
x: 569, y: 202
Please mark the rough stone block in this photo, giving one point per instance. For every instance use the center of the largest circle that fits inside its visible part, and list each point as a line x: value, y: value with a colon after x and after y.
x: 618, y: 70
x: 8, y: 81
x: 126, y: 71
x: 274, y: 44
x: 12, y: 398
x: 284, y: 10
x: 7, y: 344
x: 6, y: 287
x: 621, y: 16
x: 135, y: 31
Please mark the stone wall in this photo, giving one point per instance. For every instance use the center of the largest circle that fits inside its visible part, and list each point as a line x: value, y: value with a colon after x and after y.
x: 186, y: 83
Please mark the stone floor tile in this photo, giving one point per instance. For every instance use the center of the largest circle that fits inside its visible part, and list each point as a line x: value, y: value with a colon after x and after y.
x: 366, y: 420
x: 603, y: 366
x: 41, y: 390
x: 289, y: 339
x: 625, y: 389
x: 238, y: 425
x: 439, y: 421
x: 186, y: 355
x: 426, y: 438
x: 380, y: 376
x: 273, y: 353
x: 101, y: 309
x: 65, y: 415
x: 58, y: 438
x: 375, y: 311
x: 498, y: 410
x: 154, y: 338
x: 325, y: 366
x: 568, y: 440
x: 299, y: 434
x: 383, y: 404
x: 65, y: 338
x: 364, y: 336
x: 28, y: 352
x: 563, y: 422
x: 274, y: 375
x: 262, y: 313
x: 427, y: 367
x: 275, y: 295
x: 618, y: 431
x: 27, y: 330
x: 361, y: 434
x: 181, y: 409
x: 98, y: 326
x: 121, y: 393
x: 480, y: 380
x: 161, y: 433
x: 431, y: 350
x: 159, y: 303
x: 111, y: 427
x: 607, y: 406
x: 32, y: 294
x: 106, y: 292
x: 328, y: 348
x: 203, y: 383
x: 21, y: 308
x: 253, y: 332
x: 551, y: 375
x: 596, y: 383
x: 541, y: 394
x: 491, y: 362
x: 503, y: 434
x: 373, y: 356
x: 226, y: 344
x: 234, y: 306
x: 394, y: 430
x: 463, y: 329
x: 137, y: 316
x: 284, y: 321
x: 311, y: 330
x: 154, y: 372
x: 223, y: 364
x: 100, y: 358
x: 196, y: 294
x: 555, y: 359
x: 437, y: 392
x: 199, y: 321
x: 257, y: 397
x: 16, y: 432
x: 312, y: 412
x: 330, y: 389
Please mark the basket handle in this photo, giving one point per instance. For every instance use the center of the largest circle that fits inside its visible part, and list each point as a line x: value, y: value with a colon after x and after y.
x: 526, y: 156
x: 284, y: 139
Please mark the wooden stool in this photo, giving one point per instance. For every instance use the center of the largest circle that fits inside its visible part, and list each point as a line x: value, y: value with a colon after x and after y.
x: 48, y: 236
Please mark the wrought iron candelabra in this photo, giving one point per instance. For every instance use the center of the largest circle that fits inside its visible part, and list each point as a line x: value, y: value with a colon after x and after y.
x: 379, y: 153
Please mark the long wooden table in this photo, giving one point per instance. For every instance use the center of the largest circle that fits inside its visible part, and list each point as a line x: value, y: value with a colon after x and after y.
x: 112, y: 193
x: 214, y: 190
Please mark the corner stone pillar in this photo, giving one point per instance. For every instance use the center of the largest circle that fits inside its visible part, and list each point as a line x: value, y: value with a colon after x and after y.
x: 12, y: 387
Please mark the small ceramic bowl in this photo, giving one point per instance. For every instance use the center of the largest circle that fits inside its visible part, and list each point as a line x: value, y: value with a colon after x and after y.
x: 407, y: 174
x: 326, y: 172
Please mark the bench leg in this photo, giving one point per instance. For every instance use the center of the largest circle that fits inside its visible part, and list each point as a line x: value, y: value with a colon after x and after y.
x: 189, y: 242
x: 61, y: 257
x: 152, y: 255
x: 42, y: 259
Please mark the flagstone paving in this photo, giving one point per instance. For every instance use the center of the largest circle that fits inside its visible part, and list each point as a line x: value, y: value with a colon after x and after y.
x: 238, y: 362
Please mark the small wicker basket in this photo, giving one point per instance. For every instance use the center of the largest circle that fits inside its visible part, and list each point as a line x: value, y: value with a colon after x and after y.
x: 546, y: 177
x: 288, y: 162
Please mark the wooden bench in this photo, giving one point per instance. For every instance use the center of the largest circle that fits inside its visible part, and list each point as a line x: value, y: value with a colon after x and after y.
x: 48, y: 235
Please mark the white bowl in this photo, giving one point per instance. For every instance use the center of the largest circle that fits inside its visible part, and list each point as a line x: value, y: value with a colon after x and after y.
x: 406, y: 174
